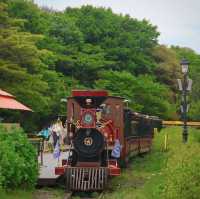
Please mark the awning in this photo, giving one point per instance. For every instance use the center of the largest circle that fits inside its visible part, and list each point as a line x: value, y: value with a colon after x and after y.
x: 7, y: 101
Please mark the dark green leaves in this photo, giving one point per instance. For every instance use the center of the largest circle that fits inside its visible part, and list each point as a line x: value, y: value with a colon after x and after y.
x: 145, y: 95
x: 17, y: 160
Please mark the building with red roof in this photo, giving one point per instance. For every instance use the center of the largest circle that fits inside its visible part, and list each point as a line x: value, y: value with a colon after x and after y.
x: 8, y: 101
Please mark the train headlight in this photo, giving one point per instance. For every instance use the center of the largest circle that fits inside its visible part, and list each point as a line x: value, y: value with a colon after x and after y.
x: 88, y: 119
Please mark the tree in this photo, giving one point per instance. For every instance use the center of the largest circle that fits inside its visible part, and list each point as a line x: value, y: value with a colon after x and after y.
x: 145, y: 95
x: 45, y: 53
x: 23, y: 69
x: 127, y: 42
x: 35, y: 19
x: 168, y: 69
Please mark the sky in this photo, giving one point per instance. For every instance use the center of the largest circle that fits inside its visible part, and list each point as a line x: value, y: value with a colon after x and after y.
x: 178, y: 21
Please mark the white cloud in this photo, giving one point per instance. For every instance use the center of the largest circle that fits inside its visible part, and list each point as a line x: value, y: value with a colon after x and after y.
x: 178, y: 21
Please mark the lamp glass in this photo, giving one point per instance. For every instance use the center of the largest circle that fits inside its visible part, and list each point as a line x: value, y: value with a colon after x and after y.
x: 184, y: 68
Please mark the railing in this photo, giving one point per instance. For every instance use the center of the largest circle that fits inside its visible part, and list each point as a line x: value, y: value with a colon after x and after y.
x: 38, y: 143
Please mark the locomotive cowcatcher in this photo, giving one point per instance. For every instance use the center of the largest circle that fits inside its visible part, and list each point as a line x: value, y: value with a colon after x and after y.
x: 102, y: 134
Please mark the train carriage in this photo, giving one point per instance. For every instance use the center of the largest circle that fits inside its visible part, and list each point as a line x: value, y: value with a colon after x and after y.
x: 102, y: 132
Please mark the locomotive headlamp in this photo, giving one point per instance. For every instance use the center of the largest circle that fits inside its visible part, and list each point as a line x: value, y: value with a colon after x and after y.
x: 88, y: 141
x: 88, y: 101
x: 88, y: 119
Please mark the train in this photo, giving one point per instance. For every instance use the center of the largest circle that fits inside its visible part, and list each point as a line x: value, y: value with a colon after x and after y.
x: 103, y: 135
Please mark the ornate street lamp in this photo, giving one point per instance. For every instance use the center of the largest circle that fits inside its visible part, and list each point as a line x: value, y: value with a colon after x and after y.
x: 185, y: 87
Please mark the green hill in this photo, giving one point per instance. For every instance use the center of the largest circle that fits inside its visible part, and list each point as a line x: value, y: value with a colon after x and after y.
x: 45, y: 53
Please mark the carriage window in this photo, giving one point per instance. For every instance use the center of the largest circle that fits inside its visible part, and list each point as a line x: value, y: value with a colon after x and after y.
x: 108, y: 109
x: 134, y: 125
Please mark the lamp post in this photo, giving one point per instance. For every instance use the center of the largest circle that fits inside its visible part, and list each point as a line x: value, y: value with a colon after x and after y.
x: 184, y: 66
x: 184, y: 86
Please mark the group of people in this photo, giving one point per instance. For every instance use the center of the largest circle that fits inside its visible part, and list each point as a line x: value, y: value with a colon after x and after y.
x: 54, y: 136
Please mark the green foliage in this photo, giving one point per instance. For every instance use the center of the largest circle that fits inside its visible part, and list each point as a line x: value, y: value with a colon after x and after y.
x: 145, y: 95
x: 24, y: 71
x: 65, y: 30
x: 45, y: 53
x: 168, y: 67
x: 35, y: 21
x: 18, y: 163
x: 127, y: 42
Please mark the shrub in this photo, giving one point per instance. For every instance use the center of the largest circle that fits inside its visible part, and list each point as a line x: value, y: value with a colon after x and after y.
x: 18, y: 165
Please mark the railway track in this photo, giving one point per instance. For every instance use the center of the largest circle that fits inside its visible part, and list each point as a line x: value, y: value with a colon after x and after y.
x: 86, y: 196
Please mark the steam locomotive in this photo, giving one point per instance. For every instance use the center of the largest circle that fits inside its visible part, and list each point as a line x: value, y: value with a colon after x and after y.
x: 103, y: 134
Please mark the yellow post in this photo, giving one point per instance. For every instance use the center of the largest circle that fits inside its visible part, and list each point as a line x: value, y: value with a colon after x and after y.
x: 166, y: 141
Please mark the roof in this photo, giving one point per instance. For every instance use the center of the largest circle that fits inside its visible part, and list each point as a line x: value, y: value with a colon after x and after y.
x: 4, y: 93
x: 89, y: 93
x: 7, y: 101
x: 117, y: 97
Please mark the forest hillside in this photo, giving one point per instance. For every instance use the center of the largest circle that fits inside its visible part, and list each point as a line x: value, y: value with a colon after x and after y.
x: 45, y: 53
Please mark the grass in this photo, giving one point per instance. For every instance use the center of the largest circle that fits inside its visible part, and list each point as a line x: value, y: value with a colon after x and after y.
x: 16, y: 194
x: 44, y: 193
x: 143, y: 178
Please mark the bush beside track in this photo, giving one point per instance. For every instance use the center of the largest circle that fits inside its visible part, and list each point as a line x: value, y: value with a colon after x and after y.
x: 18, y: 165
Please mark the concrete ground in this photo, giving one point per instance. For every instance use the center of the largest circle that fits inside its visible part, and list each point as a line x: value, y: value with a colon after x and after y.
x: 49, y: 164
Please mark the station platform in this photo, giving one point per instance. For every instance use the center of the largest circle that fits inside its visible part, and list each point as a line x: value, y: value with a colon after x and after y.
x: 47, y: 175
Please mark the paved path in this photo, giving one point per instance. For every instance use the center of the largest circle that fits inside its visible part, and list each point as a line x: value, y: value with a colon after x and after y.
x: 49, y: 164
